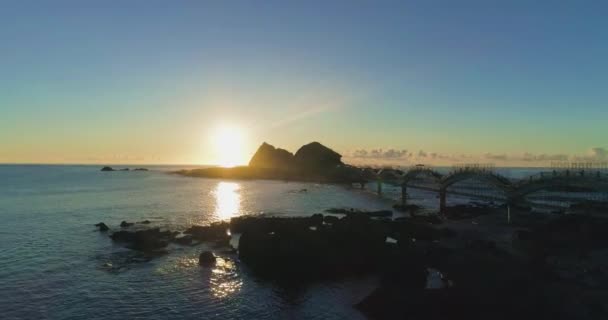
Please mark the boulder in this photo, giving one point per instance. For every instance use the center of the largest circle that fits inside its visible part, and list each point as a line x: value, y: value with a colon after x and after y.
x: 206, y: 258
x: 144, y: 240
x: 267, y: 156
x: 217, y: 232
x: 125, y: 224
x: 102, y: 227
x: 107, y: 169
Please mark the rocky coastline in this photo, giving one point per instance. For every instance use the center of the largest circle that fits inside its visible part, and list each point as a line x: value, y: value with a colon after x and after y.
x: 554, y: 267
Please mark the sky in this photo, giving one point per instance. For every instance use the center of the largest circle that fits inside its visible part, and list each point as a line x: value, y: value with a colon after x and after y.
x: 516, y: 83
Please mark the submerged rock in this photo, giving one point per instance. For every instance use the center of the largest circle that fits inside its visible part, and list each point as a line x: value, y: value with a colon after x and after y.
x: 102, y: 227
x: 144, y: 240
x: 206, y: 258
x: 125, y: 224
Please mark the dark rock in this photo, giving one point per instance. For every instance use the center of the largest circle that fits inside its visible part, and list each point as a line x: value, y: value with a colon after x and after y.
x: 107, y: 169
x: 102, y: 226
x: 144, y: 240
x: 287, y: 249
x: 206, y: 258
x: 124, y: 169
x: 317, y: 219
x: 412, y: 208
x: 463, y: 211
x: 405, y: 229
x: 268, y: 156
x: 217, y: 232
x: 125, y: 224
x: 317, y: 156
x: 140, y: 169
x: 330, y: 219
x: 269, y: 224
x: 431, y: 219
x: 479, y: 244
x: 184, y: 240
x: 144, y: 222
x: 347, y: 211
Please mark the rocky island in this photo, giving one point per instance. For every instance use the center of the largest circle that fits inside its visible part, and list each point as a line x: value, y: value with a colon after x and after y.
x: 312, y: 162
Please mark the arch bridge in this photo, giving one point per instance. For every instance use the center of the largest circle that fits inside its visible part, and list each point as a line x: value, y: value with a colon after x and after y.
x: 513, y: 190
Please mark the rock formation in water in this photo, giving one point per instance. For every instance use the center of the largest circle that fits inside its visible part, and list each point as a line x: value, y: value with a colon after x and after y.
x: 312, y: 162
x: 267, y: 156
x: 317, y: 157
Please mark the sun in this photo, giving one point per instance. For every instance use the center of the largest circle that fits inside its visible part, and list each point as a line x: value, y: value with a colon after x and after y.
x: 229, y: 146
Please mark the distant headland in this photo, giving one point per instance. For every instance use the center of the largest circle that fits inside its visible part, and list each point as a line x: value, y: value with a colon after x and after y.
x: 312, y: 162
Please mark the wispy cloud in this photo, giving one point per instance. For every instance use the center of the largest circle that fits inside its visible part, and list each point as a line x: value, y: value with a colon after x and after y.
x: 395, y: 156
x: 381, y: 154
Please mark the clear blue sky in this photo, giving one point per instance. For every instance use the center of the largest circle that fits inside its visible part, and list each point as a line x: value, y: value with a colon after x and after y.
x: 146, y: 81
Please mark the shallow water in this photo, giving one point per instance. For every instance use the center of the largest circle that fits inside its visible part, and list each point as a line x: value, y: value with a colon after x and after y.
x: 54, y: 264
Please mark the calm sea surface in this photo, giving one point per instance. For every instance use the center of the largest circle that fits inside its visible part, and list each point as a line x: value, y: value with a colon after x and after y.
x: 55, y: 265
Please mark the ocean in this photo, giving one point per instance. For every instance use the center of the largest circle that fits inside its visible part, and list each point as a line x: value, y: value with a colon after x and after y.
x: 55, y: 265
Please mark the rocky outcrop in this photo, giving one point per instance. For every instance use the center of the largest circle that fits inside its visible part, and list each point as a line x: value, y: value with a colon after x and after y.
x: 302, y: 249
x: 312, y: 162
x: 107, y: 169
x: 267, y: 156
x: 206, y: 258
x: 347, y: 211
x: 317, y: 157
x: 102, y: 227
x: 144, y: 240
x: 126, y: 224
x: 216, y: 232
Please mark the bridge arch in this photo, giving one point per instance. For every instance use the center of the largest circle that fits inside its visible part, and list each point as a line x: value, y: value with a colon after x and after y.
x: 500, y: 183
x: 421, y: 171
x: 414, y: 173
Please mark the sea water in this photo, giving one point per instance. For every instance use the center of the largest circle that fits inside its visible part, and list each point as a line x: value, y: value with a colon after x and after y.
x: 54, y: 264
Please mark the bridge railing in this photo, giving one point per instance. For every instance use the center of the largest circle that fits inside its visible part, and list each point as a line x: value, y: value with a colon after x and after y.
x: 567, y: 173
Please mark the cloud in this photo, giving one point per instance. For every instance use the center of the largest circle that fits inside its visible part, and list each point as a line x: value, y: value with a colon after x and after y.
x: 599, y: 153
x: 491, y: 156
x: 381, y: 154
x: 403, y: 156
x: 544, y: 157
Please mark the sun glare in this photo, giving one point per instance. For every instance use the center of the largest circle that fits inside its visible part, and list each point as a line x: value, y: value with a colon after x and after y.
x: 229, y: 143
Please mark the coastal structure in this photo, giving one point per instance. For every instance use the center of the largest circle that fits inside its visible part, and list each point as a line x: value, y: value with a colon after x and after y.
x: 514, y: 192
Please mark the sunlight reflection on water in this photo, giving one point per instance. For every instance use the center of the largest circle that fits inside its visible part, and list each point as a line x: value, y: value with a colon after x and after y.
x: 227, y: 200
x: 224, y: 279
